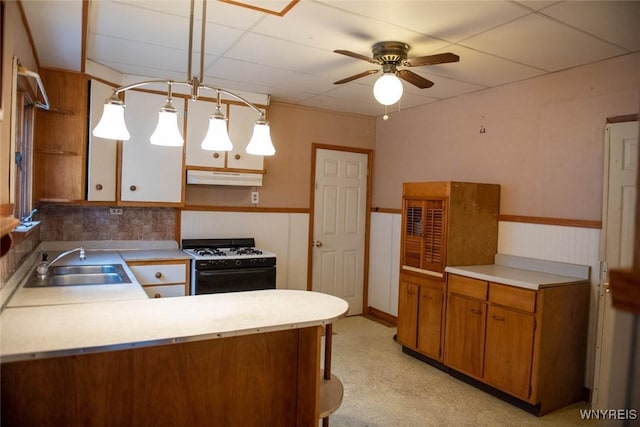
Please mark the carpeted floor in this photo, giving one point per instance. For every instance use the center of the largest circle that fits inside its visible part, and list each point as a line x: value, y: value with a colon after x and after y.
x: 384, y: 387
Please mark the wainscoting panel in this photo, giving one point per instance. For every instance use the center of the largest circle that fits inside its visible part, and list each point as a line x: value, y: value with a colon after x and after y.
x: 384, y: 262
x: 285, y: 234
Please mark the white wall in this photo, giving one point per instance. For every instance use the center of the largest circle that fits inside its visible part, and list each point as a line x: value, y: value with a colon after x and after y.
x: 285, y: 234
x: 555, y: 243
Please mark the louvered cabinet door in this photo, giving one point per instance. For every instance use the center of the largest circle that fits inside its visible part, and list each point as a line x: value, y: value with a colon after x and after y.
x: 433, y: 235
x: 413, y: 240
x: 424, y: 234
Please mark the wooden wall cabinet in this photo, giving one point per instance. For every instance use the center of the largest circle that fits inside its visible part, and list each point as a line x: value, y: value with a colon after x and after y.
x: 443, y: 223
x: 60, y: 138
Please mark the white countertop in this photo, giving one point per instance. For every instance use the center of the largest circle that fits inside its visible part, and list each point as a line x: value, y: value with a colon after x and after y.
x: 522, y: 278
x: 49, y: 331
x: 153, y: 255
x: 38, y: 296
x: 524, y: 272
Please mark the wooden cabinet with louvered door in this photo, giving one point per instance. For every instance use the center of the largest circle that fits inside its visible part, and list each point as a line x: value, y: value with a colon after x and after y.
x: 443, y: 223
x: 162, y: 278
x: 424, y: 240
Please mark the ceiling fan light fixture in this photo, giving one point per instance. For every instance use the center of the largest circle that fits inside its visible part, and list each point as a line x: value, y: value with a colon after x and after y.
x: 167, y: 132
x: 260, y: 143
x: 112, y: 124
x: 217, y: 137
x: 388, y: 89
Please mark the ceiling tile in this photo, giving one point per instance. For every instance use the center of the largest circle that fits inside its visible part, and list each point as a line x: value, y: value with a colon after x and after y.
x: 447, y: 20
x: 538, y: 41
x: 615, y: 21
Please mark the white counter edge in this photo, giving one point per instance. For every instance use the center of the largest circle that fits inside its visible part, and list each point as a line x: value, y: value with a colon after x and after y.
x: 30, y: 332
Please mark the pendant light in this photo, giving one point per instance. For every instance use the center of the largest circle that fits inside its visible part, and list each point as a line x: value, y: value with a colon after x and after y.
x: 112, y: 124
x: 167, y: 133
x: 217, y: 137
x: 260, y: 143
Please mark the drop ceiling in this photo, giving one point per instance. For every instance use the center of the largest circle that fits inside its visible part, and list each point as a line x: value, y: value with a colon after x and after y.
x: 285, y: 48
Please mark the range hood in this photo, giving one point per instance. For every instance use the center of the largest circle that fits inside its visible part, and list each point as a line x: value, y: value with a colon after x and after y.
x: 224, y: 178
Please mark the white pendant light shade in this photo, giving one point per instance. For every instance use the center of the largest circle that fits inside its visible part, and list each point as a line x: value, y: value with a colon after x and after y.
x: 260, y: 143
x: 111, y: 124
x: 217, y: 137
x: 387, y: 89
x: 167, y: 132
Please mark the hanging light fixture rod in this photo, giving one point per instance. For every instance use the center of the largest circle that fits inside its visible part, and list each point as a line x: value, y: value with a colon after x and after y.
x: 113, y: 126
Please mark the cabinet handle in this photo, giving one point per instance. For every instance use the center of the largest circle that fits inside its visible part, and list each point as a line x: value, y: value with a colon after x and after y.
x: 411, y: 292
x: 216, y: 155
x: 98, y: 187
x: 158, y: 275
x: 157, y: 296
x: 474, y: 311
x: 133, y: 188
x: 237, y: 157
x: 498, y: 318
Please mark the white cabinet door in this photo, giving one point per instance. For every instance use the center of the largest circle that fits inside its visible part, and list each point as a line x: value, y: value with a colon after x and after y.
x: 150, y: 173
x: 198, y: 113
x: 241, y: 121
x: 101, y: 164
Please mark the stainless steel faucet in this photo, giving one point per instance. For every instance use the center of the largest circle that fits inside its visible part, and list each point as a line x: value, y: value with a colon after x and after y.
x: 43, y: 267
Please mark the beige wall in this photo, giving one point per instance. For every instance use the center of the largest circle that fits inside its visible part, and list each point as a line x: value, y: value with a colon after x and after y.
x: 293, y: 130
x: 15, y: 43
x: 543, y: 141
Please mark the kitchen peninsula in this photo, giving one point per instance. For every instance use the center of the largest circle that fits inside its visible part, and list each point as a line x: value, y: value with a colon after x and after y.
x: 245, y: 358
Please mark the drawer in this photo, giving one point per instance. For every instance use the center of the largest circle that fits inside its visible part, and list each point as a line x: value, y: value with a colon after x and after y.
x: 467, y: 286
x: 510, y: 296
x: 165, y: 291
x: 160, y: 274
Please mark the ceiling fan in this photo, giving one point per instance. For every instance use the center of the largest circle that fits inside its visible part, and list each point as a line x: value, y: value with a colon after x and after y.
x: 391, y: 55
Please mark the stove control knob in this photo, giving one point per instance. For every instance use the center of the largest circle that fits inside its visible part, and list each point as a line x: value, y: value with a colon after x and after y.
x: 238, y: 262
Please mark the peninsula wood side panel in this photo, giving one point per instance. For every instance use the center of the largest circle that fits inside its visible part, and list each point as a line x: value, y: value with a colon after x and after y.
x: 260, y: 379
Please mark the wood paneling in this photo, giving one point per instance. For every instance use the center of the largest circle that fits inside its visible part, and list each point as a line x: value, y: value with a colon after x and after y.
x: 261, y: 379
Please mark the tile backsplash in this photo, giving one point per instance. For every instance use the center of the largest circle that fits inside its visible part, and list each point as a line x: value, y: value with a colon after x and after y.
x: 98, y: 223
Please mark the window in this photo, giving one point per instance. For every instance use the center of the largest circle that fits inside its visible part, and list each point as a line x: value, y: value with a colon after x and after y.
x: 23, y: 157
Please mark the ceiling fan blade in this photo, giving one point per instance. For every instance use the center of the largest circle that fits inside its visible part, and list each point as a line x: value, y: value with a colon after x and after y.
x: 414, y: 79
x: 357, y: 76
x: 440, y: 58
x: 356, y: 55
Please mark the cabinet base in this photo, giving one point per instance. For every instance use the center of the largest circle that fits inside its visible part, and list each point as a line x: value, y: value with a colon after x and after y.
x: 425, y: 359
x: 532, y: 409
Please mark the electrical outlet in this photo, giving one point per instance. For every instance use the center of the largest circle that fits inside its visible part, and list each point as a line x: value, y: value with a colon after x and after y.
x: 255, y: 197
x: 115, y: 211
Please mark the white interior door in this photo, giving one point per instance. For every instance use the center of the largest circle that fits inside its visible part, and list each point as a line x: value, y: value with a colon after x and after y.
x: 610, y: 377
x: 339, y: 223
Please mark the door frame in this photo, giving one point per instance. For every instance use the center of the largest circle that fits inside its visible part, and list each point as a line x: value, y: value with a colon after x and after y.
x: 598, y: 394
x: 312, y: 189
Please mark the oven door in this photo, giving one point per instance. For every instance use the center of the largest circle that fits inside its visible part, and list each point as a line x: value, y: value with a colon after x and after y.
x: 234, y: 280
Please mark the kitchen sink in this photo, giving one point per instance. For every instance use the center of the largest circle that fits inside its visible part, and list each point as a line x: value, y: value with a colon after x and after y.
x: 75, y: 275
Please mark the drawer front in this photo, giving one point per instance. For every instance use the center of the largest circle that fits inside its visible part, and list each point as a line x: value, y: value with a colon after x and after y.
x: 510, y: 296
x: 467, y: 286
x: 160, y: 274
x: 165, y: 291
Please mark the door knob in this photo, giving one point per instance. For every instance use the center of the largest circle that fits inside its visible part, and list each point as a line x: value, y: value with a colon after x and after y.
x: 317, y: 243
